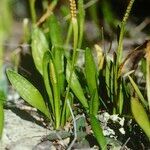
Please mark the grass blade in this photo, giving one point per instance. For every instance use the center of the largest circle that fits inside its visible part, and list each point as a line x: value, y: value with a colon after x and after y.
x: 91, y: 77
x: 140, y: 115
x: 76, y: 87
x: 148, y: 72
x: 1, y: 119
x: 66, y: 113
x: 96, y: 127
x: 27, y: 91
x: 144, y: 102
x: 109, y: 78
x: 81, y: 19
x: 56, y: 92
x: 121, y: 99
x: 46, y: 59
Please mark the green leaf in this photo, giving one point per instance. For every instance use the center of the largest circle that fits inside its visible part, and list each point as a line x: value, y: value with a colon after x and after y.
x: 76, y: 87
x: 98, y: 132
x: 39, y: 46
x: 58, y: 52
x: 27, y: 91
x: 91, y: 77
x: 56, y: 92
x: 109, y: 78
x: 140, y: 115
x: 81, y: 19
x: 144, y: 102
x: 148, y: 73
x: 55, y: 31
x: 121, y: 99
x: 1, y: 119
x: 67, y: 113
x: 46, y: 59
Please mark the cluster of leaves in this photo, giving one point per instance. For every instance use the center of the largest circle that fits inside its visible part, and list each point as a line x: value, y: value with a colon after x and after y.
x: 105, y: 84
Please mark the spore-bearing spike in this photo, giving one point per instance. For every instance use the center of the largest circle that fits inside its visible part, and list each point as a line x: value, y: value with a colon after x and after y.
x: 73, y: 8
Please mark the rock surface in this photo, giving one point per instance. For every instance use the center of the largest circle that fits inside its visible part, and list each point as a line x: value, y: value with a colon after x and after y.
x: 20, y: 134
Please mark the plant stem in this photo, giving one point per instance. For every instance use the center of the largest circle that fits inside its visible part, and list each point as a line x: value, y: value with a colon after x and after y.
x: 148, y: 82
x: 75, y: 44
x: 32, y: 10
x: 123, y: 23
x: 119, y: 56
x: 68, y: 35
x: 148, y: 72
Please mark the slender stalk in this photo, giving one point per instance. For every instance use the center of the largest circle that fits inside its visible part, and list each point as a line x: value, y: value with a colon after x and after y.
x: 68, y: 35
x: 32, y: 10
x: 148, y: 82
x: 48, y: 12
x: 75, y: 44
x: 119, y: 56
x: 81, y: 17
x: 1, y: 56
x: 123, y: 23
x: 148, y: 72
x: 1, y: 119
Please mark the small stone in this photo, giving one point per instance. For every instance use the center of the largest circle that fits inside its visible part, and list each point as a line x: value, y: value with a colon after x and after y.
x: 108, y: 132
x: 122, y: 122
x: 114, y: 118
x: 122, y: 130
x: 46, y: 145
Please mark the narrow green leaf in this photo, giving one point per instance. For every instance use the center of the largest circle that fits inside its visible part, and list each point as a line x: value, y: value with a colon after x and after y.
x: 39, y: 46
x: 58, y: 52
x: 98, y: 132
x: 121, y: 100
x: 144, y: 102
x: 46, y: 60
x: 55, y: 31
x: 140, y: 115
x: 70, y: 98
x: 108, y: 77
x: 91, y: 103
x: 1, y: 119
x: 27, y: 91
x: 81, y: 19
x: 91, y: 77
x: 148, y: 73
x: 56, y: 92
x: 76, y: 87
x: 67, y: 113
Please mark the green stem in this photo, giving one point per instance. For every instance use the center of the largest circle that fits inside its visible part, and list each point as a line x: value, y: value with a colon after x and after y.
x: 81, y: 21
x: 119, y: 55
x: 1, y: 57
x: 148, y: 81
x: 68, y: 35
x: 123, y: 23
x: 32, y: 10
x: 75, y: 43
